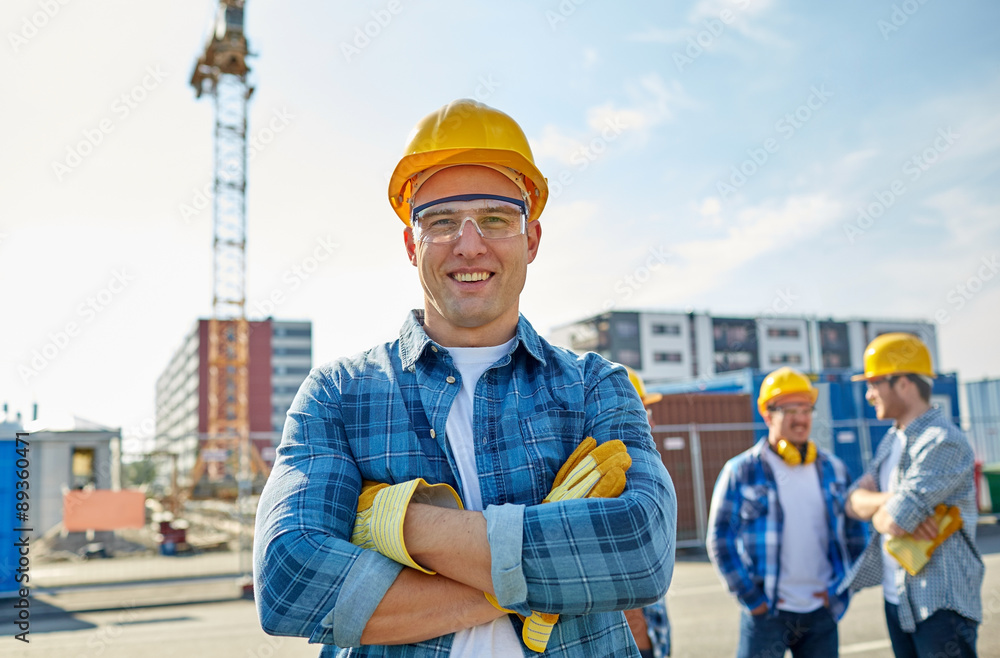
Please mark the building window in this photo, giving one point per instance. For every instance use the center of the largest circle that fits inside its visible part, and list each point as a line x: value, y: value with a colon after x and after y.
x: 629, y: 358
x: 666, y: 329
x: 782, y: 332
x: 292, y: 331
x: 292, y: 351
x: 626, y: 329
x: 667, y: 357
x: 786, y: 358
x: 83, y: 468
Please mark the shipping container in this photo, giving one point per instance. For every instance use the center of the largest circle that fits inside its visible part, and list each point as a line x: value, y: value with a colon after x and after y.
x: 984, y: 420
x: 844, y: 422
x: 8, y: 536
x: 694, y: 449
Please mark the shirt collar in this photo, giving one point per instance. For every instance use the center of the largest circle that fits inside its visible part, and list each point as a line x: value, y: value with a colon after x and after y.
x: 414, y: 341
x: 932, y: 416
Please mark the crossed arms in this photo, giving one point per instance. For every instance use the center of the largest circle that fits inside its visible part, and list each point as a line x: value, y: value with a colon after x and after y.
x: 572, y: 557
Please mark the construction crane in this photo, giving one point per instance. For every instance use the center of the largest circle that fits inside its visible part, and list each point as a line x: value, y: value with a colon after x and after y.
x: 221, y: 72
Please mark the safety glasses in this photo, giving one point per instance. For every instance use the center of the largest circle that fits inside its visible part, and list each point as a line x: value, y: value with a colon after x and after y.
x: 494, y: 218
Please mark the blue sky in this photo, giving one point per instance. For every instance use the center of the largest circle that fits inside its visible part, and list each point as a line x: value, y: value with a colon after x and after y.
x: 713, y: 155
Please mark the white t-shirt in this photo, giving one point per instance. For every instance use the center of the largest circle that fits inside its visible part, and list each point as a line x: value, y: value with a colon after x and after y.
x: 497, y: 638
x: 886, y: 478
x: 805, y: 567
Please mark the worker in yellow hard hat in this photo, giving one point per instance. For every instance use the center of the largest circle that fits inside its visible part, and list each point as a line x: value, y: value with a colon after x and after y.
x: 923, y: 465
x: 650, y: 625
x: 443, y: 492
x: 778, y: 534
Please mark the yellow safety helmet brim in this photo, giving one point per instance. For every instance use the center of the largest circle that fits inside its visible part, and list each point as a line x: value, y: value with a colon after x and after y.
x: 640, y: 388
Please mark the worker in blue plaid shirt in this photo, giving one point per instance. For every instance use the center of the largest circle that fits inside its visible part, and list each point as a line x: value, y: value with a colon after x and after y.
x: 359, y: 545
x: 778, y: 534
x: 922, y: 462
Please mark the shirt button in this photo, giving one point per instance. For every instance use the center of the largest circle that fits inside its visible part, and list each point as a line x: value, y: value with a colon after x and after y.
x: 450, y: 379
x: 434, y: 348
x: 433, y: 434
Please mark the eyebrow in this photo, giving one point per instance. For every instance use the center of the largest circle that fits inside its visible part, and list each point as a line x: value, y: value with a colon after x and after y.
x: 511, y: 210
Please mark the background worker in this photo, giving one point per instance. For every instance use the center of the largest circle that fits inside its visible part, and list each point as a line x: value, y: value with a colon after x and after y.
x: 650, y: 626
x: 777, y: 532
x: 469, y: 399
x: 923, y: 461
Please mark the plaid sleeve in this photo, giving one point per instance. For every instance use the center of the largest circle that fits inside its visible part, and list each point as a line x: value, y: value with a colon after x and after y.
x: 309, y: 580
x: 723, y: 527
x: 943, y: 463
x: 596, y: 555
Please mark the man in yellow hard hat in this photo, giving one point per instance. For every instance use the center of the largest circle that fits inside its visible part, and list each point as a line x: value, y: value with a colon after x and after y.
x: 778, y: 534
x: 923, y: 461
x: 650, y: 625
x: 404, y: 514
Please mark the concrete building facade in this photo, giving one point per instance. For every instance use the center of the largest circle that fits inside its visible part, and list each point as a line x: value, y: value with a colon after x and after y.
x: 665, y: 346
x: 280, y: 359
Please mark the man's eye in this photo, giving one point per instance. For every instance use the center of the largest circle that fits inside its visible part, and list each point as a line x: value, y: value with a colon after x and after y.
x: 496, y: 220
x: 441, y: 224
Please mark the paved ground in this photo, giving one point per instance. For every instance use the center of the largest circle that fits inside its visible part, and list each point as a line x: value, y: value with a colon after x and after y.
x: 200, y: 614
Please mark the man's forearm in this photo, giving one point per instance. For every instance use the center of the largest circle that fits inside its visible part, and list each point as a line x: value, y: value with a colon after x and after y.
x: 863, y: 503
x: 420, y: 607
x: 450, y: 542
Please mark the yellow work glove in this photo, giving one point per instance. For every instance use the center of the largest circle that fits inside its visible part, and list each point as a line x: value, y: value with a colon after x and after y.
x: 381, y: 509
x: 591, y: 471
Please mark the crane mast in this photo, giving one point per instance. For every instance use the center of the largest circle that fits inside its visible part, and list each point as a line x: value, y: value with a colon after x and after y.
x: 221, y: 72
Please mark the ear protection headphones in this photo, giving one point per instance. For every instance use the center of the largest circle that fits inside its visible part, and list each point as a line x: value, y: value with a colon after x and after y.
x: 792, y: 455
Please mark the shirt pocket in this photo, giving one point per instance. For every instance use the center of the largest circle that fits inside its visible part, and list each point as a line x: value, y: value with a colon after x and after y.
x: 753, y: 503
x: 549, y: 437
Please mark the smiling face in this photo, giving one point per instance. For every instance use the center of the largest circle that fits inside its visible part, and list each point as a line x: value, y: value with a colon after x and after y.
x: 472, y: 285
x: 791, y: 418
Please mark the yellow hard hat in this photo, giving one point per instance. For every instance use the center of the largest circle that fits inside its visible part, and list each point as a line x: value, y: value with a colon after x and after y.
x: 784, y: 381
x: 640, y: 388
x: 893, y: 354
x: 467, y: 132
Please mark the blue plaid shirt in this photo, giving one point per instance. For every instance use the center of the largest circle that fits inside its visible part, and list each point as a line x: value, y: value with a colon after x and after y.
x: 658, y: 627
x: 936, y: 466
x: 746, y: 522
x: 381, y: 416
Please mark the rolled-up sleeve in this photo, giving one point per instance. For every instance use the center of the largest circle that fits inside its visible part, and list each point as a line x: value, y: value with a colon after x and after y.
x: 593, y: 555
x: 309, y: 580
x: 943, y: 463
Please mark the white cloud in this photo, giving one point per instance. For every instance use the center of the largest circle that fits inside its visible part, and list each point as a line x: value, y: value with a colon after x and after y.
x: 650, y: 102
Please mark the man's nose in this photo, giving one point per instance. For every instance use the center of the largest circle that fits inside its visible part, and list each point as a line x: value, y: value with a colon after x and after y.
x: 470, y: 239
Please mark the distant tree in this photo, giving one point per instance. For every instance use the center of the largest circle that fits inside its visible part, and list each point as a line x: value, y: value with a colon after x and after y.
x: 138, y: 473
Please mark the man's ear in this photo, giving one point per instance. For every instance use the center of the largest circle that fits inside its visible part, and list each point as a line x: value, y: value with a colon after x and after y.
x: 534, y: 237
x: 411, y: 247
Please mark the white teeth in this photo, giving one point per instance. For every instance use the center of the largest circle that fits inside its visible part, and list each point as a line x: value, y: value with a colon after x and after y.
x: 472, y: 276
